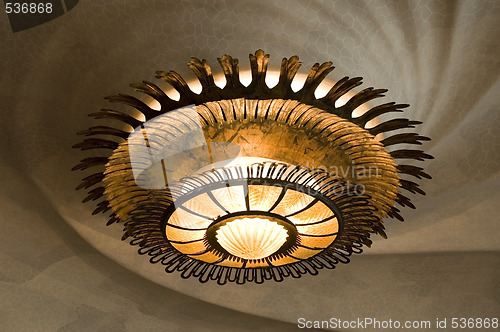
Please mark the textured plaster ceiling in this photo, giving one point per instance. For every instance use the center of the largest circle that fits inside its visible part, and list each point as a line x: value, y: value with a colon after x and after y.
x: 61, y: 268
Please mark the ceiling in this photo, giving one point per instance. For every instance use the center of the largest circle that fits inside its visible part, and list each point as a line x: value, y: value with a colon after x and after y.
x: 61, y: 268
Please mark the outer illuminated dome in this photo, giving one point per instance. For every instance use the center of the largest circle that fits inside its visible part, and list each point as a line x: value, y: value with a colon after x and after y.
x: 251, y: 183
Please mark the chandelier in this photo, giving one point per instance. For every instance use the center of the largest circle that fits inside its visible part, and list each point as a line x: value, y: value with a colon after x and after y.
x: 247, y: 183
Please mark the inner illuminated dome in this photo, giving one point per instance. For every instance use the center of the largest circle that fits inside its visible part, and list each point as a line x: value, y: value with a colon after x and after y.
x: 251, y: 238
x: 253, y: 216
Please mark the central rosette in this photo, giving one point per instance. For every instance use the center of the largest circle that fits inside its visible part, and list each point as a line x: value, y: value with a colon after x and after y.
x: 251, y: 237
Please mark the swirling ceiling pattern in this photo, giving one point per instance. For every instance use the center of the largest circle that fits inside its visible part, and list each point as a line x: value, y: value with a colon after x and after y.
x: 63, y: 269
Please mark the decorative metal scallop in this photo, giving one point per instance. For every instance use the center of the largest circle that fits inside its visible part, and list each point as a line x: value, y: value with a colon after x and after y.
x: 249, y: 183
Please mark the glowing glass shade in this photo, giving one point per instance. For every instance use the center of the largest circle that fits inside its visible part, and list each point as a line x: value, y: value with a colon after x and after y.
x: 232, y: 197
x: 251, y: 238
x: 203, y: 205
x: 262, y: 198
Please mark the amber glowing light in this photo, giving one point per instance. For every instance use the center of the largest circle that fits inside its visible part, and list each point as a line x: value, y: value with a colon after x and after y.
x: 251, y: 238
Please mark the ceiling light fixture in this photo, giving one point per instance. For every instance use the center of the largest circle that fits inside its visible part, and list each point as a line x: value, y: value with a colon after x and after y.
x: 250, y: 183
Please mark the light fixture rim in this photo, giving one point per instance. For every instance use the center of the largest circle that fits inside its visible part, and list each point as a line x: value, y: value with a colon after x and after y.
x: 285, y: 185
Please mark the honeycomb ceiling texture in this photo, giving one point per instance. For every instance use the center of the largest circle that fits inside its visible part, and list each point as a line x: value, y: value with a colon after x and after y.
x: 62, y: 268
